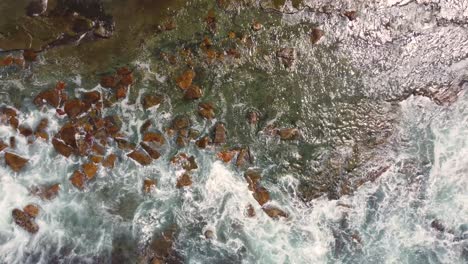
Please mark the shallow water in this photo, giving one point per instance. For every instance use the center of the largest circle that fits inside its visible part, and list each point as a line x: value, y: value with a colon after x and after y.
x: 374, y: 166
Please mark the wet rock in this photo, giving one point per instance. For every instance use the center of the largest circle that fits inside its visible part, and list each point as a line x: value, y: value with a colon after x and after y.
x: 184, y: 181
x: 274, y: 212
x: 146, y: 125
x: 185, y: 80
x: 25, y: 130
x: 23, y: 220
x: 48, y: 192
x: 243, y: 157
x: 289, y: 133
x: 121, y: 92
x: 108, y: 82
x: 287, y: 56
x: 32, y: 210
x: 151, y: 100
x: 74, y: 108
x: 12, y: 142
x: 351, y: 15
x: 62, y: 148
x: 113, y: 124
x: 206, y: 110
x: 36, y: 7
x: 68, y: 133
x: 29, y: 55
x: 250, y: 211
x: 181, y: 141
x: 191, y: 164
x: 90, y: 98
x: 162, y: 244
x: 109, y: 162
x: 149, y: 185
x: 50, y: 97
x: 90, y: 170
x: 154, y: 154
x: 180, y: 122
x: 261, y: 195
x: 203, y: 142
x: 126, y: 76
x: 78, y: 179
x: 141, y: 157
x: 193, y: 92
x: 124, y: 144
x: 3, y: 145
x: 15, y: 162
x: 154, y: 137
x: 226, y: 155
x: 96, y: 159
x: 219, y: 134
x: 315, y: 35
x: 43, y: 124
x: 209, y: 234
x: 257, y: 26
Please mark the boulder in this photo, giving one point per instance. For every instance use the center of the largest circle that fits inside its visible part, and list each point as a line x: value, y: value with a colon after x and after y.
x: 32, y: 210
x: 141, y: 157
x: 90, y: 170
x: 193, y: 92
x: 209, y: 234
x: 25, y: 221
x: 78, y: 179
x: 184, y: 81
x: 206, y: 110
x: 148, y: 185
x: 252, y: 177
x: 25, y: 130
x: 90, y: 98
x: 274, y: 212
x: 243, y: 157
x: 219, y: 134
x: 184, y: 181
x: 15, y: 162
x: 62, y: 148
x: 150, y: 100
x: 3, y: 145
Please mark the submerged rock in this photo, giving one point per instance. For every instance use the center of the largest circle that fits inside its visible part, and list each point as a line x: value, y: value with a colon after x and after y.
x: 15, y: 162
x: 109, y: 162
x: 74, y: 108
x: 209, y: 234
x: 181, y: 122
x: 3, y: 145
x: 184, y: 181
x: 253, y: 117
x: 351, y: 15
x: 25, y: 221
x: 46, y: 192
x: 50, y: 97
x: 250, y: 211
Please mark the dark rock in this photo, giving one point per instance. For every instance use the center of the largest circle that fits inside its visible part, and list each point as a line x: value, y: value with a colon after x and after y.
x: 315, y: 35
x: 274, y: 212
x: 146, y: 125
x: 219, y: 134
x: 141, y: 157
x: 250, y: 211
x: 108, y: 82
x: 25, y: 130
x: 90, y: 98
x: 151, y: 100
x: 193, y: 92
x: 184, y: 181
x: 438, y: 225
x: 25, y: 221
x: 68, y: 134
x: 29, y: 55
x: 81, y: 25
x: 124, y: 144
x: 203, y: 142
x: 15, y: 162
x: 12, y: 142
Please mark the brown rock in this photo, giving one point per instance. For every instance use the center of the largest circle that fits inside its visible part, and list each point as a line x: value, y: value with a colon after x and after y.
x: 154, y: 154
x: 62, y: 148
x: 113, y: 124
x: 226, y: 155
x: 351, y: 15
x: 78, y: 179
x: 219, y: 134
x: 184, y: 181
x: 29, y: 55
x: 315, y: 35
x: 154, y: 137
x: 244, y: 156
x: 3, y: 145
x: 146, y: 125
x: 289, y: 133
x: 121, y: 92
x: 15, y: 162
x: 126, y: 79
x: 50, y: 97
x: 190, y: 164
x: 47, y: 192
x: 274, y: 212
x: 206, y: 110
x: 257, y: 26
x: 25, y: 130
x: 109, y: 161
x: 180, y: 122
x: 203, y: 142
x: 74, y: 108
x: 43, y: 124
x: 90, y: 170
x: 25, y: 221
x: 108, y: 82
x: 96, y: 159
x: 42, y: 134
x: 12, y: 142
x: 193, y: 92
x: 68, y: 134
x: 149, y: 185
x: 32, y: 210
x: 185, y: 80
x: 250, y: 212
x: 140, y: 157
x: 90, y: 98
x: 151, y: 100
x: 252, y: 177
x: 124, y: 144
x: 261, y: 195
x: 181, y: 141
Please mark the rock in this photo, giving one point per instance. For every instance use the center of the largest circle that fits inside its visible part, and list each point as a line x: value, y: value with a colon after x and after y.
x: 162, y: 244
x: 203, y: 142
x: 287, y: 56
x: 25, y: 221
x: 250, y: 212
x: 209, y: 234
x: 29, y: 55
x: 43, y: 124
x: 149, y: 185
x: 289, y: 133
x: 25, y: 130
x: 184, y: 181
x: 96, y: 159
x: 78, y: 179
x: 274, y: 212
x: 154, y: 137
x: 219, y: 134
x: 185, y: 80
x: 74, y: 108
x: 253, y: 117
x: 62, y: 148
x: 252, y: 177
x: 315, y: 35
x: 181, y: 141
x: 141, y: 157
x: 90, y: 98
x: 113, y: 124
x: 108, y: 82
x: 191, y: 164
x: 68, y: 133
x: 244, y: 156
x: 15, y: 162
x: 109, y: 161
x: 438, y: 225
x: 226, y: 155
x: 90, y: 170
x: 12, y: 142
x: 151, y: 100
x: 47, y: 192
x: 257, y: 26
x: 180, y: 122
x: 50, y: 97
x: 146, y: 125
x: 32, y: 210
x: 3, y: 145
x: 206, y: 110
x: 351, y: 15
x: 121, y: 92
x: 81, y: 25
x: 154, y: 154
x: 261, y: 195
x: 36, y: 7
x: 193, y: 92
